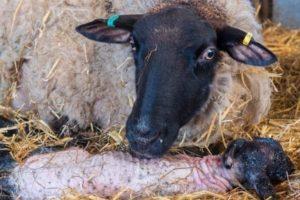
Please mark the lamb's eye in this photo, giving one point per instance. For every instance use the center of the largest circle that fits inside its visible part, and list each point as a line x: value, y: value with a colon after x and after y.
x: 209, y: 54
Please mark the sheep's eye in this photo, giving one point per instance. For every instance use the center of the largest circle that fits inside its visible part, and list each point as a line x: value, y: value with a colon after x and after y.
x: 206, y: 55
x: 209, y: 54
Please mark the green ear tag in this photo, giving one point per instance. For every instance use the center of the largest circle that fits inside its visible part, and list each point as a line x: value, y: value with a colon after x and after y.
x: 112, y: 20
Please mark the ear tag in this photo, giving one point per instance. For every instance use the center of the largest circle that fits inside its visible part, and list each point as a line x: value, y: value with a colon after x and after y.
x: 112, y: 20
x: 247, y: 39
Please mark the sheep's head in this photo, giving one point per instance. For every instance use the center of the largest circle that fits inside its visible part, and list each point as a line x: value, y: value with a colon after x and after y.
x: 176, y: 53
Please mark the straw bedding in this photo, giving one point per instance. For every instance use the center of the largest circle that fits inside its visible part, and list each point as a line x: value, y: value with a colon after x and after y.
x: 282, y: 122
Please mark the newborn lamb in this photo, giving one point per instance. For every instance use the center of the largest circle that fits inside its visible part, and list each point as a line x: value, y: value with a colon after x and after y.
x: 254, y: 164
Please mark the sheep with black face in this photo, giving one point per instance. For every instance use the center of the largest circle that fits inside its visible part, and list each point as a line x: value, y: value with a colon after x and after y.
x: 176, y: 52
x: 69, y: 80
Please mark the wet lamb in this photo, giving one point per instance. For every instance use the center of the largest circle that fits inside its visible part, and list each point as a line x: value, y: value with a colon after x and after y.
x: 254, y: 164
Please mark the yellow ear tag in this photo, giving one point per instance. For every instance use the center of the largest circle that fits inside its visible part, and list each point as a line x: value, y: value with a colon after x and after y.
x: 247, y: 39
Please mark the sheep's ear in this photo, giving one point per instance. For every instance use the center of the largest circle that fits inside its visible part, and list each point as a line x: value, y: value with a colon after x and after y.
x: 243, y: 48
x: 116, y: 29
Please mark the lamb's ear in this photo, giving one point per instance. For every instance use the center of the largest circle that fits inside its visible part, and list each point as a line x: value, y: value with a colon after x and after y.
x: 233, y: 149
x: 116, y: 29
x: 242, y: 47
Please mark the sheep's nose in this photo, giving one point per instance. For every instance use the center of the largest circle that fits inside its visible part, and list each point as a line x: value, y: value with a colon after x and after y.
x: 142, y: 132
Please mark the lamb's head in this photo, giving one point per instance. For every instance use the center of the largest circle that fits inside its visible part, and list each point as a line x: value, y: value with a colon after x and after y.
x: 176, y: 52
x: 259, y: 163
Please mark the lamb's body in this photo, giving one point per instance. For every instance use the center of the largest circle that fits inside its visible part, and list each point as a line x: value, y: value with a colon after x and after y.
x: 253, y: 164
x: 88, y: 82
x: 49, y: 175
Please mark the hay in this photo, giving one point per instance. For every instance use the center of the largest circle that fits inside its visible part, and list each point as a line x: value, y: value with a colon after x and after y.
x: 282, y: 123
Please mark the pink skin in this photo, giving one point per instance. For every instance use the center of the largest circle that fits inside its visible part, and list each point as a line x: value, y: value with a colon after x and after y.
x: 50, y: 175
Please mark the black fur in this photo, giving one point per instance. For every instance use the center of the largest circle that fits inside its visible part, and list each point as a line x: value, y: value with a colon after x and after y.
x: 262, y: 162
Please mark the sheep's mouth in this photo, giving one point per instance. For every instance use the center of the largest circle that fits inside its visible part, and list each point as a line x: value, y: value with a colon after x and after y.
x: 146, y: 150
x: 156, y: 148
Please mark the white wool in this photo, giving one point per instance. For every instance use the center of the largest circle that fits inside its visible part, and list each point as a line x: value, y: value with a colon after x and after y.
x: 90, y: 82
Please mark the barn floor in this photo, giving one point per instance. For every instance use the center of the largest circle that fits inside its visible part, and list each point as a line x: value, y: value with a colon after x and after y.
x: 282, y: 123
